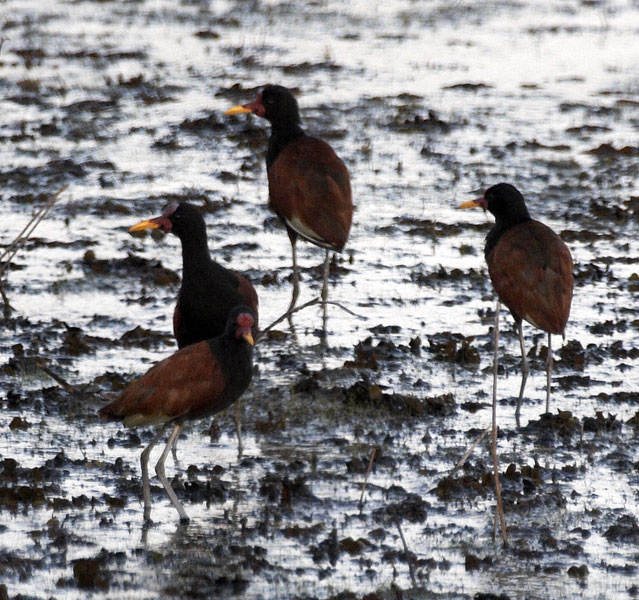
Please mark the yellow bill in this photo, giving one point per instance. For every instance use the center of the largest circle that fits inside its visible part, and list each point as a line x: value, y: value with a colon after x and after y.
x: 142, y: 225
x: 249, y: 338
x: 470, y: 204
x: 238, y: 110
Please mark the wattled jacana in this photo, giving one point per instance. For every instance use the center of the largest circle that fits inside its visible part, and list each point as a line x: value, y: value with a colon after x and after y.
x: 531, y: 270
x: 209, y: 291
x: 309, y: 186
x: 530, y: 267
x: 197, y: 381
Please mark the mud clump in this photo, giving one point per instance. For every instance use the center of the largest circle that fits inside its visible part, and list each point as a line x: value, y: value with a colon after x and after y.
x: 19, y: 423
x: 622, y: 397
x: 601, y: 424
x: 378, y: 354
x: 563, y: 423
x: 203, y: 125
x: 624, y: 531
x: 149, y: 271
x: 13, y: 497
x: 328, y: 549
x: 441, y: 276
x: 212, y: 489
x: 607, y: 151
x: 416, y: 123
x: 455, y: 348
x: 412, y: 508
x: 573, y: 355
x: 89, y: 574
x: 354, y: 547
x: 473, y: 562
x: 363, y: 393
x: 470, y: 486
x: 280, y: 488
x: 75, y: 342
x: 145, y: 338
x: 579, y: 572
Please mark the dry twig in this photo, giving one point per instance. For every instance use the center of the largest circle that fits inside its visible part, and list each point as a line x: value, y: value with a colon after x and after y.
x: 368, y: 472
x: 28, y: 230
x: 9, y: 252
x: 468, y: 452
x: 407, y: 553
x: 313, y: 302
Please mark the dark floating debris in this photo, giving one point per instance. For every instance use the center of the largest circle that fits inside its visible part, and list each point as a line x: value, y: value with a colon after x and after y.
x: 624, y: 531
x: 454, y: 348
x: 468, y: 86
x: 607, y: 151
x: 149, y: 271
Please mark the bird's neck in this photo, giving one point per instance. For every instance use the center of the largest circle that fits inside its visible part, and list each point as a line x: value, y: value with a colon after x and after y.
x: 195, y: 256
x: 281, y: 135
x: 233, y: 355
x: 501, y: 226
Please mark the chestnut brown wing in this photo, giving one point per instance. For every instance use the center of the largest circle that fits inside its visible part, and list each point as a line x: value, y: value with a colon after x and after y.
x: 309, y: 187
x: 189, y: 381
x: 531, y: 269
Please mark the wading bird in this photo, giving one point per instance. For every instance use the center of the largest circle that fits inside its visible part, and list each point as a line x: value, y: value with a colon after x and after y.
x: 531, y: 270
x: 309, y: 186
x: 197, y: 381
x: 209, y: 291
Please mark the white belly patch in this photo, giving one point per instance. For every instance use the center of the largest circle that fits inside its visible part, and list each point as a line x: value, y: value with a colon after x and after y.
x: 306, y: 232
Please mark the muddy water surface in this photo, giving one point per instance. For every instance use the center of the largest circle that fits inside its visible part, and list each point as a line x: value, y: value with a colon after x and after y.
x: 426, y: 102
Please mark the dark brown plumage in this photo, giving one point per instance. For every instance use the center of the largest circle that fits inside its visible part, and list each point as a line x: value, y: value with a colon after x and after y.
x: 209, y: 291
x: 309, y: 185
x: 197, y: 381
x: 530, y: 267
x: 531, y: 270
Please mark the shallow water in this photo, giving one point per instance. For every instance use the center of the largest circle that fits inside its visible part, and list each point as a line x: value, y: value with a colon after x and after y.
x: 426, y: 103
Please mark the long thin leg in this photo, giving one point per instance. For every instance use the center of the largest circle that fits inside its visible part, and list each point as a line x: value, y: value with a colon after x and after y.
x: 159, y: 471
x: 144, y: 461
x: 327, y: 268
x: 174, y: 454
x: 237, y: 418
x: 499, y: 514
x: 549, y: 362
x: 296, y: 274
x: 296, y: 288
x: 524, y: 369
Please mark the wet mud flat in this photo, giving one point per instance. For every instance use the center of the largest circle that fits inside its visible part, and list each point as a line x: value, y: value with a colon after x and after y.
x: 123, y: 103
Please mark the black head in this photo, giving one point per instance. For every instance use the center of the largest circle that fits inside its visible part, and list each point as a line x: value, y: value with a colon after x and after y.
x: 181, y: 218
x: 280, y: 106
x: 185, y: 219
x: 239, y: 324
x: 276, y: 104
x: 506, y: 203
